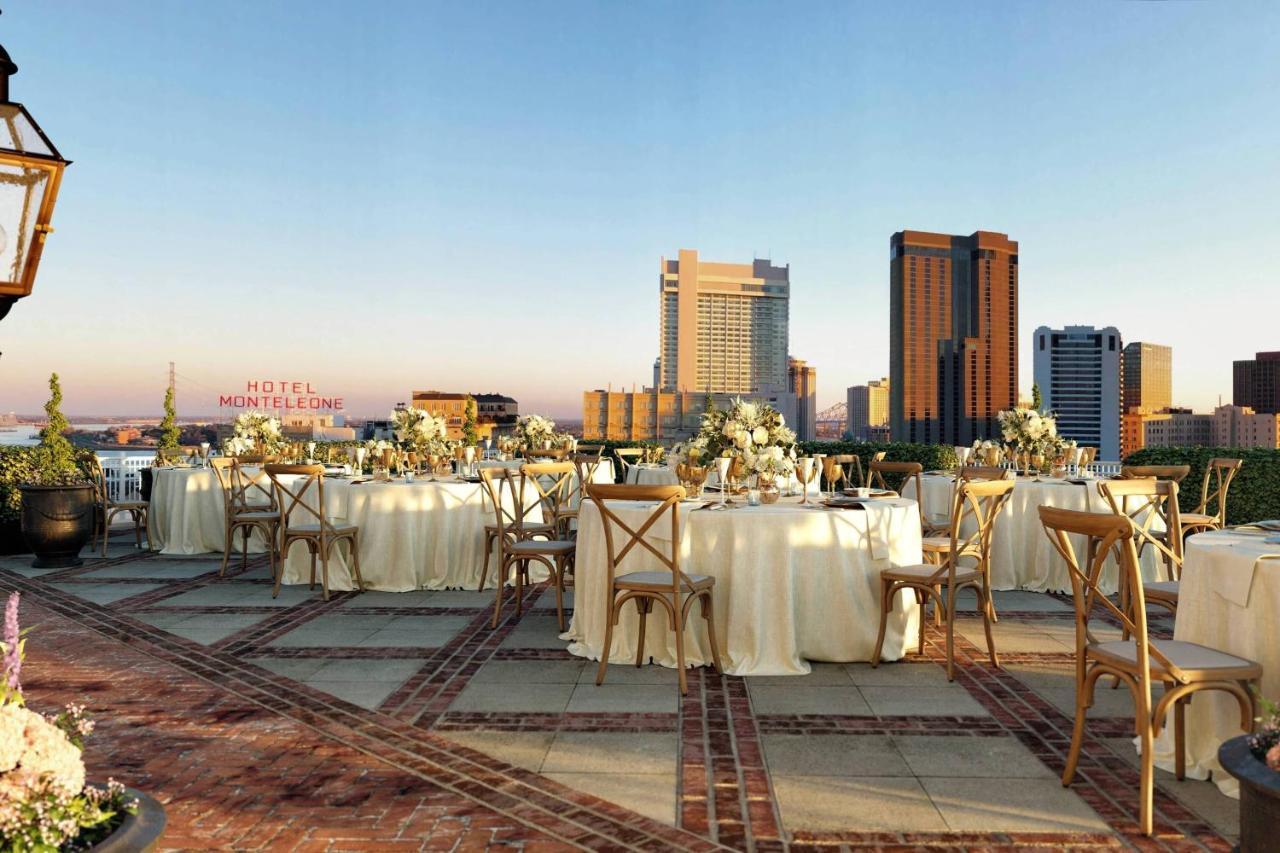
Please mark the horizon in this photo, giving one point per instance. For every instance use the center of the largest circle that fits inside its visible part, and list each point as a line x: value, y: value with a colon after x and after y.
x: 478, y: 199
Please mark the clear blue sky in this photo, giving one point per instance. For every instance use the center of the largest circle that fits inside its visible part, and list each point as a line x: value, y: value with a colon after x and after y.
x: 475, y: 196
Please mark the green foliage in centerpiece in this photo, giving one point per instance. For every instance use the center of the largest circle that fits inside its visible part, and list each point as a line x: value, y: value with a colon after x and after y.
x: 470, y: 438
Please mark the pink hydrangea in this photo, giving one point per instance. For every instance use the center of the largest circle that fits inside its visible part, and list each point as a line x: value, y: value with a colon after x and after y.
x: 1273, y: 757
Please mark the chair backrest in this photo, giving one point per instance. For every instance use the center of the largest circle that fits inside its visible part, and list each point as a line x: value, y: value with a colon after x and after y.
x: 1177, y: 473
x: 590, y: 450
x: 979, y: 502
x: 552, y: 483
x: 851, y: 466
x: 585, y: 465
x: 878, y: 456
x: 556, y: 453
x: 983, y: 472
x: 177, y: 454
x: 293, y: 497
x: 1221, y: 471
x: 621, y: 538
x: 242, y: 489
x: 904, y: 472
x: 497, y: 481
x: 1114, y: 535
x: 627, y: 458
x: 98, y: 478
x: 1143, y: 502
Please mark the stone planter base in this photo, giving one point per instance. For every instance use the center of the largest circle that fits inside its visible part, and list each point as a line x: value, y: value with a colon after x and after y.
x: 1259, y: 797
x: 140, y: 833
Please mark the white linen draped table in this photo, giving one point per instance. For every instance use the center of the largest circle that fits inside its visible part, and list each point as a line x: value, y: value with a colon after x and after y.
x: 1229, y: 600
x: 186, y: 514
x: 419, y: 535
x: 792, y: 584
x: 1022, y: 556
x: 646, y: 474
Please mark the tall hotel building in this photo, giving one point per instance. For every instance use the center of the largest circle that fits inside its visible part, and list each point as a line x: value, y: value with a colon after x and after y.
x: 867, y: 407
x: 1147, y: 377
x: 953, y: 309
x: 1256, y: 383
x: 1078, y: 371
x: 723, y: 326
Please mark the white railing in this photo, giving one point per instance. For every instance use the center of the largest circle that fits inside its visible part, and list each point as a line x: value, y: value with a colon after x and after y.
x: 123, y: 472
x: 1105, y: 469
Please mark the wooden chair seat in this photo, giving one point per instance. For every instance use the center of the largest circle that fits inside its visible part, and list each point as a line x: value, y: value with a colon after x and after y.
x: 267, y: 515
x: 662, y: 581
x: 336, y: 526
x: 1192, y: 662
x: 1166, y: 590
x: 128, y: 505
x: 528, y: 529
x: 922, y: 572
x: 939, y: 544
x: 542, y: 546
x: 1198, y: 519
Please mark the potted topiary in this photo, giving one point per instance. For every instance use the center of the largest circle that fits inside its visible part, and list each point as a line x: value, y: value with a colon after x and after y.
x: 45, y: 803
x: 170, y: 434
x: 1254, y: 760
x: 58, y: 504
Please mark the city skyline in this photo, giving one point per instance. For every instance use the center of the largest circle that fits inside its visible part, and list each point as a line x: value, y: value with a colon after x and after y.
x: 1131, y: 165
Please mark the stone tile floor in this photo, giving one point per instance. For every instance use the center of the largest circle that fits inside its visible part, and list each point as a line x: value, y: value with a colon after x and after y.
x: 389, y: 721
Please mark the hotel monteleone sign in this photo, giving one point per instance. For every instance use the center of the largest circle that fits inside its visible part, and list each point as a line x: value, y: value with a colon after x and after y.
x: 283, y: 394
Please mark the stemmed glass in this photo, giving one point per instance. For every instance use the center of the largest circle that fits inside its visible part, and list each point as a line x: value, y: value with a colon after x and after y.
x: 805, y: 468
x: 204, y: 454
x: 488, y: 447
x: 469, y: 457
x: 723, y: 463
x: 360, y: 453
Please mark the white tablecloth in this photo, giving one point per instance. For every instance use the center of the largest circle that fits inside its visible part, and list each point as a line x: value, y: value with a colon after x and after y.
x: 1021, y: 555
x: 186, y: 513
x: 652, y: 475
x: 1218, y: 568
x: 792, y: 584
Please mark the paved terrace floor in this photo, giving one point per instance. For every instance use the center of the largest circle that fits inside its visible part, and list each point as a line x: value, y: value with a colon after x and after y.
x: 383, y: 721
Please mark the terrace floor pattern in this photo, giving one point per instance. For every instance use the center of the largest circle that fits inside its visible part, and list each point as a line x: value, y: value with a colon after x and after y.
x: 402, y: 721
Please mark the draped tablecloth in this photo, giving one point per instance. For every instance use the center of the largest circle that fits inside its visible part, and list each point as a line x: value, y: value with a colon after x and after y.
x: 792, y: 584
x: 1021, y: 555
x: 652, y: 475
x: 186, y: 513
x: 1229, y: 599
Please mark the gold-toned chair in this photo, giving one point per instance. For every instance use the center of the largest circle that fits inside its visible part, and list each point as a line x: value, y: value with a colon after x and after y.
x: 1145, y: 501
x: 1177, y: 473
x: 319, y: 532
x: 108, y: 509
x: 514, y: 508
x: 909, y: 472
x: 981, y: 503
x: 1182, y: 668
x: 555, y: 454
x: 585, y: 466
x: 516, y: 548
x: 171, y: 455
x: 1220, y: 472
x: 669, y: 586
x: 596, y: 450
x: 878, y: 456
x: 938, y: 527
x: 628, y: 458
x: 248, y: 502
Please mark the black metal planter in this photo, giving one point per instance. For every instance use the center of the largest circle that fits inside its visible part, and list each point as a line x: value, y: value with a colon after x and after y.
x: 140, y: 832
x: 57, y: 521
x: 1259, y: 796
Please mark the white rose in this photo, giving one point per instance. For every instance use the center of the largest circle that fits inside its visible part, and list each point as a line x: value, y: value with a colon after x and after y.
x: 742, y: 439
x: 730, y: 429
x: 759, y: 435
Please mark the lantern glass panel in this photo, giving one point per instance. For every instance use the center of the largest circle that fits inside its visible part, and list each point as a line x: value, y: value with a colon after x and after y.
x: 21, y: 192
x: 18, y: 132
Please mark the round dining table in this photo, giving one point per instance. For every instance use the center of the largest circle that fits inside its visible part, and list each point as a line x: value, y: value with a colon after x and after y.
x: 1022, y: 557
x: 186, y: 514
x: 793, y: 583
x: 1228, y: 600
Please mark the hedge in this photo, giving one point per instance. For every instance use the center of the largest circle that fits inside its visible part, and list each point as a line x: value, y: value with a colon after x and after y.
x: 1254, y: 494
x: 17, y: 466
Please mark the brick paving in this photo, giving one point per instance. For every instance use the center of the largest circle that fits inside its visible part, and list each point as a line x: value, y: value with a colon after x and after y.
x: 447, y: 745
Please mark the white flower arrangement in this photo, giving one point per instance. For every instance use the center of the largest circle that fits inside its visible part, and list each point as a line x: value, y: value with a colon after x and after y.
x: 420, y: 430
x: 745, y: 429
x: 1028, y: 430
x: 257, y: 431
x: 535, y: 431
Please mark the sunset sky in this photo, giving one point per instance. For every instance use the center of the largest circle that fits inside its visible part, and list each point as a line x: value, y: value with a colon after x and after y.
x: 475, y: 196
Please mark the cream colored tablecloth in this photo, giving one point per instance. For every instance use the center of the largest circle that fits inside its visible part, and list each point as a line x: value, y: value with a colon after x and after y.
x: 1221, y: 566
x: 792, y: 585
x: 652, y: 475
x: 1021, y: 555
x: 186, y: 513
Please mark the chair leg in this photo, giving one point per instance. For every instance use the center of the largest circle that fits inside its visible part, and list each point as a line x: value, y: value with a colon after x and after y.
x: 355, y: 560
x: 1147, y: 791
x: 484, y: 567
x: 684, y: 682
x: 227, y: 542
x: 106, y: 531
x: 137, y: 528
x: 984, y: 602
x: 324, y: 568
x: 643, y: 605
x: 312, y: 548
x: 245, y: 532
x: 277, y: 565
x: 522, y: 568
x: 886, y: 601
x: 951, y: 632
x: 1180, y: 738
x: 558, y: 580
x: 502, y: 585
x: 708, y: 613
x: 608, y: 641
x: 922, y: 601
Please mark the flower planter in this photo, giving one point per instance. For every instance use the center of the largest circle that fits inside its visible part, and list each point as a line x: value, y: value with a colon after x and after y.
x: 140, y: 832
x: 1259, y: 796
x: 57, y: 521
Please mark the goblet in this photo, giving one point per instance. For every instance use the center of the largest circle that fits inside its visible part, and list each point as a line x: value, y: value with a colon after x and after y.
x: 723, y: 464
x: 805, y: 471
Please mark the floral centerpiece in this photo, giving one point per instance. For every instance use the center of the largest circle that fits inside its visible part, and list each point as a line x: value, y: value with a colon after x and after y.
x: 254, y: 432
x: 1032, y: 435
x: 420, y: 430
x: 755, y: 433
x: 44, y: 802
x: 535, y: 431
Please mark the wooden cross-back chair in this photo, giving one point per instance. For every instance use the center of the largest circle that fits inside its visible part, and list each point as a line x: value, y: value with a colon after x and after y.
x: 553, y: 453
x: 514, y: 514
x: 516, y: 547
x: 906, y: 472
x: 937, y: 528
x: 628, y: 458
x: 248, y: 504
x: 670, y: 586
x: 878, y: 456
x: 302, y: 522
x: 108, y: 509
x: 596, y: 450
x: 1177, y: 473
x: 1138, y: 661
x: 1213, y: 491
x: 169, y: 455
x: 551, y: 485
x: 1144, y: 502
x: 585, y: 466
x: 980, y: 502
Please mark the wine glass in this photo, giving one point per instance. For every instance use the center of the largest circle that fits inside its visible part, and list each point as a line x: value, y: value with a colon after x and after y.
x: 204, y: 454
x: 723, y: 463
x: 488, y: 446
x: 805, y: 470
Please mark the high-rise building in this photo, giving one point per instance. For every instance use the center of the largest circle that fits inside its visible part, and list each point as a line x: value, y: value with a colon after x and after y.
x: 1166, y: 428
x: 1241, y: 426
x: 953, y: 311
x: 867, y: 407
x: 802, y: 379
x: 1147, y: 377
x: 723, y: 326
x: 1256, y: 383
x: 1078, y: 371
